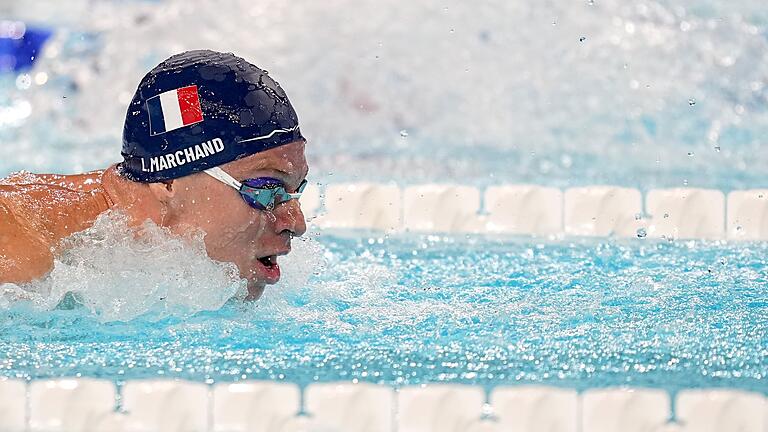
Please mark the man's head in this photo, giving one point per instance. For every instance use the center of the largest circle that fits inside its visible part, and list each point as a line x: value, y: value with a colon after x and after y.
x: 203, y: 109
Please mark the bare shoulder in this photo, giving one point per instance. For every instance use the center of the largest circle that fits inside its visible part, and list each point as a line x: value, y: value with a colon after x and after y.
x: 75, y: 182
x: 36, y: 212
x: 23, y: 257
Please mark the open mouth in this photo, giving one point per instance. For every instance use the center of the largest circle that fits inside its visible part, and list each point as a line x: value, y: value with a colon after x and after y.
x: 269, y: 269
x: 269, y: 261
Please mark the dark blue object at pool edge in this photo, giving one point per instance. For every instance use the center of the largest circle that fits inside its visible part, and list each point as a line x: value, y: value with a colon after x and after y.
x: 19, y: 53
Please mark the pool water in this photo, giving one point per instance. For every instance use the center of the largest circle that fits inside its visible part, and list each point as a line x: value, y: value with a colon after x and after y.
x: 645, y: 95
x: 412, y: 309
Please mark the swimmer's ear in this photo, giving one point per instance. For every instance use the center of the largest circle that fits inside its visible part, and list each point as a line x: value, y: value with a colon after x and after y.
x: 163, y: 190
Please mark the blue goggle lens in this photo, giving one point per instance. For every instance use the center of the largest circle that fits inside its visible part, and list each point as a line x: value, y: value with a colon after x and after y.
x: 264, y: 193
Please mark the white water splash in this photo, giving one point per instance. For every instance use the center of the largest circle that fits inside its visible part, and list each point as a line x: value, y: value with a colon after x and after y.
x: 307, y: 259
x: 119, y: 274
x: 312, y: 296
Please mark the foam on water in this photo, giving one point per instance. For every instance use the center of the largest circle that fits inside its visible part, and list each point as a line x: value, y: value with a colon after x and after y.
x: 119, y: 274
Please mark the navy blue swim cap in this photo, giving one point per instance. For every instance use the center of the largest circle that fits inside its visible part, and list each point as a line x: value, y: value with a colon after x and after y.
x: 201, y: 109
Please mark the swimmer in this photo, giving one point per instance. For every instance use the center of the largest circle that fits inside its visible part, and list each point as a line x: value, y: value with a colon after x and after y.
x: 210, y: 143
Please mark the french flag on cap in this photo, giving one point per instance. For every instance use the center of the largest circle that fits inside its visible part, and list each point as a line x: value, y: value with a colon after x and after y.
x: 174, y: 109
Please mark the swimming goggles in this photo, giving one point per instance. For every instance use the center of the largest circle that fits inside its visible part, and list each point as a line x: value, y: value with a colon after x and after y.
x: 261, y: 193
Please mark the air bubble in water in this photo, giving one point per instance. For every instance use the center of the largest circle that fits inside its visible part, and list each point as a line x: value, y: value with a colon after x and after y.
x: 404, y: 133
x: 641, y: 233
x: 691, y: 101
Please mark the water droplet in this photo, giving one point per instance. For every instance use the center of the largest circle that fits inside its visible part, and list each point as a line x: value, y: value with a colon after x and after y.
x: 41, y: 78
x: 641, y: 233
x: 690, y: 153
x: 487, y: 410
x: 23, y: 81
x: 582, y: 39
x: 591, y: 2
x: 404, y: 133
x: 691, y: 101
x: 666, y: 215
x: 717, y: 148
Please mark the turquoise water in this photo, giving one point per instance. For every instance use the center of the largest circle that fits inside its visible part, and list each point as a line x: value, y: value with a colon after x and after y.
x: 428, y: 309
x: 653, y: 94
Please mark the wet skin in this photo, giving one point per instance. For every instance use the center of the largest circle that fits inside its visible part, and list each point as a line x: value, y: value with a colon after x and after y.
x: 37, y: 211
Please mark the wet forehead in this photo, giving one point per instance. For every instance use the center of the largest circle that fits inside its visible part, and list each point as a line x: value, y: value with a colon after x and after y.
x: 288, y: 160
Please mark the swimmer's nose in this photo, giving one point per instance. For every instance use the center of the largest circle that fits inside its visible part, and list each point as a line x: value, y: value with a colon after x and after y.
x: 289, y: 217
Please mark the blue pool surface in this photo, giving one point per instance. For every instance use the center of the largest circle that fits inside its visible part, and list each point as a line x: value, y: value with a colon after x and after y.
x: 423, y: 309
x: 646, y: 95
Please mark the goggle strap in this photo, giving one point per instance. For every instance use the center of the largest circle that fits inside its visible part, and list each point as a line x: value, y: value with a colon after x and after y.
x: 220, y: 175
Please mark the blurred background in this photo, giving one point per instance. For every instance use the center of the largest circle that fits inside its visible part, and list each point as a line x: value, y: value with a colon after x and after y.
x: 656, y: 93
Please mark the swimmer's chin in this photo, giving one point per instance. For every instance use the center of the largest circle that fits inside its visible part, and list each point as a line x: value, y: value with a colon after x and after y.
x: 255, y: 290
